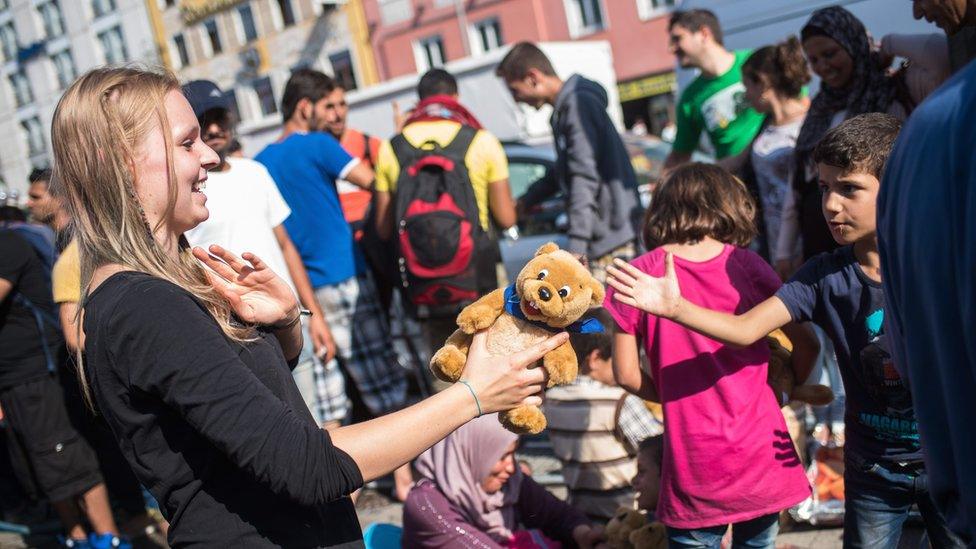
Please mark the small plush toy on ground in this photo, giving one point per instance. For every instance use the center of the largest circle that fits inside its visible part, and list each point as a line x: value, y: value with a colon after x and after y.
x: 551, y: 294
x: 630, y: 529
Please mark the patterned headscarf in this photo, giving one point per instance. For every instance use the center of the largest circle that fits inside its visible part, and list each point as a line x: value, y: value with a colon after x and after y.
x: 870, y: 89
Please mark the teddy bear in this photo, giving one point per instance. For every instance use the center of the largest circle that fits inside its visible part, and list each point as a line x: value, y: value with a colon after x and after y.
x: 653, y: 535
x: 550, y: 294
x: 782, y: 378
x: 625, y: 522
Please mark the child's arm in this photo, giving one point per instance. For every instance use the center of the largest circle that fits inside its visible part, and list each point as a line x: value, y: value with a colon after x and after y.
x: 626, y: 367
x: 662, y: 297
x: 806, y: 349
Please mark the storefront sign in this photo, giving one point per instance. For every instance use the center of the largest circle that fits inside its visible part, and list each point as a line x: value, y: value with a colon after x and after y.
x: 647, y: 87
x: 195, y: 10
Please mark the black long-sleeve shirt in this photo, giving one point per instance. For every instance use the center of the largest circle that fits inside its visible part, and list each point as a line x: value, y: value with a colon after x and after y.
x: 217, y: 431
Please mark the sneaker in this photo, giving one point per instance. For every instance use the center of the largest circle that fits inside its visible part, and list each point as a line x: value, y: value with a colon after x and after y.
x: 108, y: 541
x: 74, y: 543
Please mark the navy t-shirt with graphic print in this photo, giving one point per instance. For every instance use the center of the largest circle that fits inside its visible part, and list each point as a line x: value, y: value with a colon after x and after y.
x: 832, y: 291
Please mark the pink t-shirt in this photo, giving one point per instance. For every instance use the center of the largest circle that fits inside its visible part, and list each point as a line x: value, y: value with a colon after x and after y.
x: 727, y: 454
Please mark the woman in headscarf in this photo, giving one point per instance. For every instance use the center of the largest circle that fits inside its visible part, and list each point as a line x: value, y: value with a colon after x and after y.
x: 853, y: 80
x: 472, y: 493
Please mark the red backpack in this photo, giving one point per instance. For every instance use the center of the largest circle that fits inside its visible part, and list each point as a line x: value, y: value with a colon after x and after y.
x: 438, y: 230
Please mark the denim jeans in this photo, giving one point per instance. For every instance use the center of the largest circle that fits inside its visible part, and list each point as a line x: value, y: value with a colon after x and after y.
x: 758, y: 533
x: 878, y: 499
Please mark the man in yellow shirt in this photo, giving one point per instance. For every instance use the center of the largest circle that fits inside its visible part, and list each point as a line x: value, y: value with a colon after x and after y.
x: 438, y: 118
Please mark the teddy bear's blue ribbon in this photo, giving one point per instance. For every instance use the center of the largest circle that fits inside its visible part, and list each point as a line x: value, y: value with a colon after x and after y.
x: 512, y: 301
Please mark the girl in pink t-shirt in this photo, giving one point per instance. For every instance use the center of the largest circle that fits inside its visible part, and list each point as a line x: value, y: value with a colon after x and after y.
x: 728, y: 458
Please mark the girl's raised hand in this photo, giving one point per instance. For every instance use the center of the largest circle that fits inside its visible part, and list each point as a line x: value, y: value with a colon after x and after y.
x: 256, y: 293
x: 654, y: 295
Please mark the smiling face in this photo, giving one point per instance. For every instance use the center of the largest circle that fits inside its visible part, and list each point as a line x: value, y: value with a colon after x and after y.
x: 849, y: 202
x: 830, y: 61
x: 687, y: 46
x: 501, y: 471
x: 191, y: 158
x: 556, y: 288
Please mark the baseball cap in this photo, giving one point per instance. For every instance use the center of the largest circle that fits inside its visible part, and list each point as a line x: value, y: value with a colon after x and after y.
x: 204, y: 95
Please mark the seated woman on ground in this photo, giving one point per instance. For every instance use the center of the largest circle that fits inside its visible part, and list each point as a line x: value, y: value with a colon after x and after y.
x: 472, y: 492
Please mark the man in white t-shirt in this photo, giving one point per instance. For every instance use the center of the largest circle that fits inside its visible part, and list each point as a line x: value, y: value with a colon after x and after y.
x: 247, y: 213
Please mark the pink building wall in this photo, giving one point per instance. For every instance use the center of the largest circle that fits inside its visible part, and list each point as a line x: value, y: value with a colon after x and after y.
x: 639, y: 47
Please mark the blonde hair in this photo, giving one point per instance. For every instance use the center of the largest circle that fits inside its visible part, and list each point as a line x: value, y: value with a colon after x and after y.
x: 99, y: 124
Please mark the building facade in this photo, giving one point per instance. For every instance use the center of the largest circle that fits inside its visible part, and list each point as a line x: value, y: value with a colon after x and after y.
x: 250, y: 47
x: 44, y: 46
x: 411, y: 36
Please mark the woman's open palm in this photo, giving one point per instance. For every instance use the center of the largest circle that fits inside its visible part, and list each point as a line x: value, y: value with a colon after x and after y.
x: 660, y: 296
x: 256, y: 294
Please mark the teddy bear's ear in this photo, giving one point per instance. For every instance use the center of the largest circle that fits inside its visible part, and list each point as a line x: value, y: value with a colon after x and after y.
x: 546, y: 248
x: 598, y: 292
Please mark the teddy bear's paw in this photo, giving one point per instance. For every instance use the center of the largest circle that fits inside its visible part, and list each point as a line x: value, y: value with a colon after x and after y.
x: 476, y: 317
x: 448, y: 363
x: 524, y: 420
x: 561, y: 367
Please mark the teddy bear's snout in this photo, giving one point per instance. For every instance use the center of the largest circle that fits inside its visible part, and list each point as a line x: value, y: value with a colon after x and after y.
x: 545, y: 294
x: 543, y: 297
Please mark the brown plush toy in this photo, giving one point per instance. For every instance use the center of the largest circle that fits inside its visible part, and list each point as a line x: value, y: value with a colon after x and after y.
x: 625, y: 522
x: 653, y: 535
x: 551, y: 293
x: 782, y: 378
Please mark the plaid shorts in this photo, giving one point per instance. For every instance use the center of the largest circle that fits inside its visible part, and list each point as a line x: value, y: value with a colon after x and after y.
x: 362, y: 336
x: 322, y: 385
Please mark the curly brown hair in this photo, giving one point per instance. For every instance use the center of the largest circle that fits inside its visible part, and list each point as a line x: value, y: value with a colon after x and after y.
x: 700, y: 200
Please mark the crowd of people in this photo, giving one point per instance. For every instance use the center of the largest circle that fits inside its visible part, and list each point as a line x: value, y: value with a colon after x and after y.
x: 208, y: 336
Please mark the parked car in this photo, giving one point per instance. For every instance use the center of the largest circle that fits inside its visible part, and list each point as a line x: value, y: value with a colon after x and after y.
x: 547, y: 221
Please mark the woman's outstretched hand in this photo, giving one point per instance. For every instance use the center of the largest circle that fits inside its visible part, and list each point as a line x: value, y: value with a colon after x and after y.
x: 653, y: 295
x: 503, y: 383
x: 256, y: 294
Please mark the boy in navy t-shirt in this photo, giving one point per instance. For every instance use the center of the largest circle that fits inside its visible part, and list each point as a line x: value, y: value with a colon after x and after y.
x: 841, y: 292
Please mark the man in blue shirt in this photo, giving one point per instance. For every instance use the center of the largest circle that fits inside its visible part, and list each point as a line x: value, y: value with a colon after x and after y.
x: 927, y: 233
x: 305, y: 163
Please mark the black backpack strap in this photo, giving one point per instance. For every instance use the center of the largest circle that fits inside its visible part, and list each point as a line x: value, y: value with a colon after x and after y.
x: 41, y: 317
x: 458, y: 148
x: 367, y: 152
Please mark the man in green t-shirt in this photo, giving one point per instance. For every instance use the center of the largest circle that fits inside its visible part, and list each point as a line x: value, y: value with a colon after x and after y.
x: 714, y: 102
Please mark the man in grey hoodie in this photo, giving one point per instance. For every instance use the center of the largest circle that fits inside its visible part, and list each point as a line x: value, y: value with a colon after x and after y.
x: 593, y: 168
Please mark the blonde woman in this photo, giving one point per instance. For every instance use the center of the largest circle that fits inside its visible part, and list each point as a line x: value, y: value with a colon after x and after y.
x: 188, y: 365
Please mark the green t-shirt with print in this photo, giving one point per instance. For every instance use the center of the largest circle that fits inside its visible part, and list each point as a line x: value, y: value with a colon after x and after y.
x: 719, y: 107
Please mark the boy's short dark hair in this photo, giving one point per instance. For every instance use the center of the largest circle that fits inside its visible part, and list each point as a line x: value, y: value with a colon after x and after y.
x: 305, y: 84
x: 522, y: 57
x: 654, y: 446
x: 694, y: 20
x: 40, y: 174
x: 860, y: 144
x: 436, y: 82
x: 584, y: 344
x: 700, y: 200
